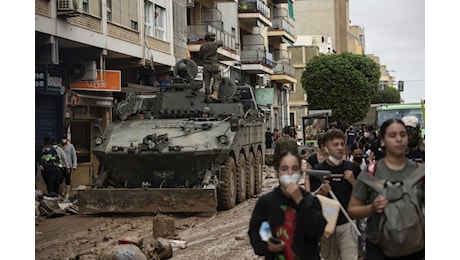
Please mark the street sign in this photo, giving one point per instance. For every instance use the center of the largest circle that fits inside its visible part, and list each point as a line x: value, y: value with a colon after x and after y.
x: 73, y: 99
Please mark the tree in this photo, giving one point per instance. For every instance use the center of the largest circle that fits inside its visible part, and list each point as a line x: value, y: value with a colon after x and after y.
x: 389, y: 95
x: 344, y: 83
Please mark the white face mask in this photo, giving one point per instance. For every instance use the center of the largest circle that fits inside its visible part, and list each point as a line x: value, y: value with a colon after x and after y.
x: 48, y: 148
x: 287, y: 179
x: 366, y: 134
x: 334, y: 160
x: 54, y: 146
x: 64, y: 141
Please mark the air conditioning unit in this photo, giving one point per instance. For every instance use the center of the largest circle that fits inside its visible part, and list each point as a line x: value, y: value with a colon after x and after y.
x: 68, y: 7
x: 83, y: 70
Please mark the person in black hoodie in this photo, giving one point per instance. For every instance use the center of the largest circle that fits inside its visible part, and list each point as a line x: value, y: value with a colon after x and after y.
x: 293, y: 214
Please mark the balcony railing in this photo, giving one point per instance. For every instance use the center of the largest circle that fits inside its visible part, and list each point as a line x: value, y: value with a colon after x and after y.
x: 251, y: 6
x: 281, y: 23
x: 195, y: 34
x: 282, y: 55
x: 258, y: 56
x: 284, y: 68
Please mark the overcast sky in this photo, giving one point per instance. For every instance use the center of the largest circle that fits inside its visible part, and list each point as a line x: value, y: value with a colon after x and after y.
x: 395, y: 31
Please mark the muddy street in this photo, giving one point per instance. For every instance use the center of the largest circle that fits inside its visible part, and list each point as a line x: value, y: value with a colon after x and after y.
x: 222, y: 235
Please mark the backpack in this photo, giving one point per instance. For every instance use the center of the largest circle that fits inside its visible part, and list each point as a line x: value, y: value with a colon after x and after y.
x: 402, y: 224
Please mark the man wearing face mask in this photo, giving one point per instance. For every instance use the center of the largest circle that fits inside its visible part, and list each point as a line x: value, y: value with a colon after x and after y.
x: 416, y: 146
x: 343, y: 243
x: 357, y: 157
x: 64, y: 160
x: 71, y: 154
x: 49, y: 166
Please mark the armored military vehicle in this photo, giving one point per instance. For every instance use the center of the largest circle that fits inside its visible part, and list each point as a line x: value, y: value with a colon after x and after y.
x: 163, y: 155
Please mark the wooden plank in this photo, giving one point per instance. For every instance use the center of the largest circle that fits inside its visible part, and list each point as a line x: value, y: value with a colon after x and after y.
x: 138, y: 200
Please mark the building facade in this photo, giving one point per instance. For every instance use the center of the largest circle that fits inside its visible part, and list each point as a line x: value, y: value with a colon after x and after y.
x: 89, y: 53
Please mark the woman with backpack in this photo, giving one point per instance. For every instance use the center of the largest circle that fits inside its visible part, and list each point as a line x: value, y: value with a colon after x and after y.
x: 393, y: 170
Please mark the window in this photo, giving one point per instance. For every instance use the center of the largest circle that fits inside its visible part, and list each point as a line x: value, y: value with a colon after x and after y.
x: 292, y: 87
x: 109, y: 10
x: 85, y: 6
x: 383, y: 85
x: 134, y: 25
x: 155, y: 21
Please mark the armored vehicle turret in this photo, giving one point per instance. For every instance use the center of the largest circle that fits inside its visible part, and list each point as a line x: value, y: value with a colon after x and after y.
x: 171, y: 151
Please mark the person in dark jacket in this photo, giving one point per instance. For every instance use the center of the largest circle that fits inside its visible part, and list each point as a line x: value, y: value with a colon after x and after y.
x: 294, y: 215
x: 343, y: 243
x: 50, y: 168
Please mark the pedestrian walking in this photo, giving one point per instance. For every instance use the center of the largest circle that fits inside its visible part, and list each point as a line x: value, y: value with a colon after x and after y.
x: 315, y: 158
x: 416, y: 145
x: 293, y: 215
x: 343, y: 243
x: 50, y: 167
x: 71, y: 154
x: 393, y: 167
x: 269, y: 138
x: 351, y: 136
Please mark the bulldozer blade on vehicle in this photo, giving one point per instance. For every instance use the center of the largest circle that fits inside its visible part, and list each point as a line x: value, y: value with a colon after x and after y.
x: 122, y: 200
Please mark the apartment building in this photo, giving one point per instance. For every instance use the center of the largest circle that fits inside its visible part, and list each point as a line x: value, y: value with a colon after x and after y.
x: 86, y: 50
x: 90, y: 52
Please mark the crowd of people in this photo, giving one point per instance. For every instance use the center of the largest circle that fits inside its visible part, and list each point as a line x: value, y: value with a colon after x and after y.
x: 293, y: 212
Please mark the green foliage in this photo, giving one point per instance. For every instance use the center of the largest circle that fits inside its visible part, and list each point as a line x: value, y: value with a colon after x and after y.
x: 344, y: 83
x: 389, y: 95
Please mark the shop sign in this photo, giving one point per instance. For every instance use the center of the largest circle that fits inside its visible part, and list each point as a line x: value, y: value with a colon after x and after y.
x: 45, y: 80
x: 264, y: 96
x: 110, y: 82
x: 73, y: 99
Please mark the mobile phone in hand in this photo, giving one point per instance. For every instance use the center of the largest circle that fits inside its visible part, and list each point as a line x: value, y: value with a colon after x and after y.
x: 275, y: 240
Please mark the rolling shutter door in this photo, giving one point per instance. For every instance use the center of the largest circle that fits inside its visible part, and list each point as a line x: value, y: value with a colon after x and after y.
x: 48, y: 117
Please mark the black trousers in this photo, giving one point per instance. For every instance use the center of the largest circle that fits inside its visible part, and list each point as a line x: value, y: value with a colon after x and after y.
x: 52, y: 178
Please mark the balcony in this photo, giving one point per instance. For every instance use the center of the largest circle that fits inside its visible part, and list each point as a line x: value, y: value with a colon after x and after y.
x: 282, y: 26
x: 252, y: 12
x: 195, y: 37
x: 257, y: 61
x: 283, y: 71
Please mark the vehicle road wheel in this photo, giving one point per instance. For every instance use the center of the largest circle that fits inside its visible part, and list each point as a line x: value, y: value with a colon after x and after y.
x: 258, y: 173
x: 226, y: 191
x: 241, y: 184
x: 250, y: 171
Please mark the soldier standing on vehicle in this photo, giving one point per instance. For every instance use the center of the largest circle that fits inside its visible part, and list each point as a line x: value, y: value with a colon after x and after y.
x: 208, y: 54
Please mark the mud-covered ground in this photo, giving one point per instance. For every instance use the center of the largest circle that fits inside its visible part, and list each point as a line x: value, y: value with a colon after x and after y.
x: 222, y: 235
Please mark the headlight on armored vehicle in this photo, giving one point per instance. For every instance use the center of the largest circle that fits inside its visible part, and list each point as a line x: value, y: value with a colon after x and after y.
x: 223, y: 139
x: 175, y: 148
x: 99, y: 140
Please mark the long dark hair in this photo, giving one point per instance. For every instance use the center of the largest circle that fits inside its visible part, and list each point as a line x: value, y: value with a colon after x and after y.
x: 387, y: 123
x: 383, y: 130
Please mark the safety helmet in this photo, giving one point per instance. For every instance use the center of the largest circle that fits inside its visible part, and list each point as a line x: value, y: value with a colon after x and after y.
x: 181, y: 69
x: 206, y: 110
